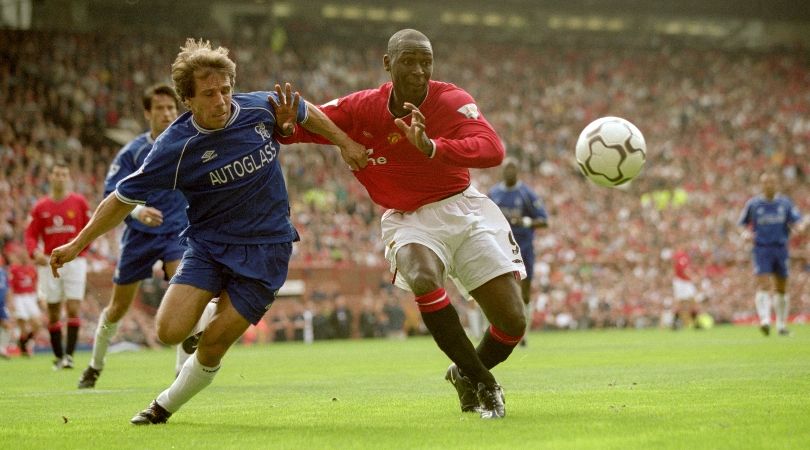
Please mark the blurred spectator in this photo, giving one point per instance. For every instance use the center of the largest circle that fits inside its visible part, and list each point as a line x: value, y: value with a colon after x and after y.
x: 341, y: 318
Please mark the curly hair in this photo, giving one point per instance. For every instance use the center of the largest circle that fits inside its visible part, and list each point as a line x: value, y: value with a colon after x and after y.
x: 198, y: 58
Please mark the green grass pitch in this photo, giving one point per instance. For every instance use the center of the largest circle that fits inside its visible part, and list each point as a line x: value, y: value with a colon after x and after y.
x: 728, y: 387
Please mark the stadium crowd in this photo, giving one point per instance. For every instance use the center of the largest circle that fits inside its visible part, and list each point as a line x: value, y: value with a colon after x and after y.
x: 713, y: 121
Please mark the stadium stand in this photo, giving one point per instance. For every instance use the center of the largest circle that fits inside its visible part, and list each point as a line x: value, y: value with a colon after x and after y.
x: 713, y: 119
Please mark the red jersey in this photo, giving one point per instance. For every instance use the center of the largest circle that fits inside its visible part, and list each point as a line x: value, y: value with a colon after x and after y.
x: 680, y: 261
x: 398, y: 175
x: 56, y: 222
x: 22, y: 278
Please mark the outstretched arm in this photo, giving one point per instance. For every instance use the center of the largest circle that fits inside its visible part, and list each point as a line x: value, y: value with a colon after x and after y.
x: 317, y: 122
x: 110, y: 212
x: 353, y: 153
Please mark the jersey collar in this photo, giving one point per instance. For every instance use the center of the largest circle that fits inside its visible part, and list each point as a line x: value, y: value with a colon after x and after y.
x: 391, y: 94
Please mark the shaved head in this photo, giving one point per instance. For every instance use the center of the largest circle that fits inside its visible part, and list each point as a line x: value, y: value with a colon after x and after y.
x: 408, y: 34
x: 410, y: 62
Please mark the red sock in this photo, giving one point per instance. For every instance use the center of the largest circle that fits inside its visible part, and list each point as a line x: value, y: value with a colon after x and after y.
x: 504, y: 338
x: 433, y: 301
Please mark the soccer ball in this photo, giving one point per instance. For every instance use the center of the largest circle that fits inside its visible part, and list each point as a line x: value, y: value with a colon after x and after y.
x: 611, y: 151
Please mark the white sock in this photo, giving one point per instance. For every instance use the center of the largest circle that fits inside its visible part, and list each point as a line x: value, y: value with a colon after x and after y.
x: 193, y: 378
x: 763, y: 302
x: 781, y: 306
x: 104, y: 332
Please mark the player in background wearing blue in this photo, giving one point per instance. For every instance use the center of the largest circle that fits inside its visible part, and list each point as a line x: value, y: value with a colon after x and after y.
x: 525, y: 212
x: 768, y: 219
x: 223, y: 156
x: 152, y: 233
x: 5, y: 322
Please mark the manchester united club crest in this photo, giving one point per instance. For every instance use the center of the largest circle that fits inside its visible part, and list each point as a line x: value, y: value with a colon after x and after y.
x: 393, y: 138
x: 70, y: 214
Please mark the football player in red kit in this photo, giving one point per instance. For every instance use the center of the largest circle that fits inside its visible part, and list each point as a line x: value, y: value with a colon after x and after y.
x: 56, y: 219
x: 422, y: 137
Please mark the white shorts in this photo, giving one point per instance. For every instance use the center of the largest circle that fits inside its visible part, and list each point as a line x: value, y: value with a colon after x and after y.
x: 683, y: 289
x: 26, y: 306
x: 468, y: 233
x: 69, y: 286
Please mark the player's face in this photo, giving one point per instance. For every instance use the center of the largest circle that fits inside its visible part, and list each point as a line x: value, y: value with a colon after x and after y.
x: 510, y: 174
x: 162, y: 114
x: 59, y: 178
x: 211, y: 104
x: 768, y: 182
x: 410, y: 69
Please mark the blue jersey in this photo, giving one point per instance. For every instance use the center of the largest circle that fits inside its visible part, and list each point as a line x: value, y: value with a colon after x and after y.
x: 517, y: 202
x: 770, y: 219
x: 231, y: 177
x: 171, y: 204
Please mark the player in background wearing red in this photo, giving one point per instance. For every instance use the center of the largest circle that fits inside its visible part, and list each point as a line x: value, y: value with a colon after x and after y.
x: 684, y: 290
x: 23, y: 286
x: 422, y: 137
x: 56, y: 219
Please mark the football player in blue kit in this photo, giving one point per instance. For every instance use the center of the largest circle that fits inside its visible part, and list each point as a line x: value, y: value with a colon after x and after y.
x: 152, y: 231
x: 525, y: 212
x: 768, y: 219
x: 223, y: 156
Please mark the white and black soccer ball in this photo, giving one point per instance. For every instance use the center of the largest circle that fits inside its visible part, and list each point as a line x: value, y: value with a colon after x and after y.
x: 611, y: 151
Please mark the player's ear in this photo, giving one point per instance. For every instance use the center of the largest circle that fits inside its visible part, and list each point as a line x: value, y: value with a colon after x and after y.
x: 387, y: 63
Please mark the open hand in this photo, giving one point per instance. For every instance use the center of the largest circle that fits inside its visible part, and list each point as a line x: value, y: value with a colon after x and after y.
x: 286, y: 108
x: 415, y: 132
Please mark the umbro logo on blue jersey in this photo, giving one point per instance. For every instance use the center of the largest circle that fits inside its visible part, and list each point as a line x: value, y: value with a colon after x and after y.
x: 209, y: 155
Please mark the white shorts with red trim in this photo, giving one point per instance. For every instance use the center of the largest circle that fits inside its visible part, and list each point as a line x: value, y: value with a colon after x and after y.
x: 683, y: 289
x: 69, y: 286
x: 26, y: 306
x: 468, y: 233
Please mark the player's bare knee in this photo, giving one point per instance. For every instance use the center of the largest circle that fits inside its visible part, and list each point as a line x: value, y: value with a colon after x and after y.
x: 513, y: 325
x: 511, y: 321
x: 423, y: 283
x: 170, y: 335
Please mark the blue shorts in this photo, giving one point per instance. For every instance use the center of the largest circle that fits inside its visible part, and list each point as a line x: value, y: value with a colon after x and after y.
x: 251, y: 274
x: 140, y: 251
x: 527, y: 253
x: 772, y: 259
